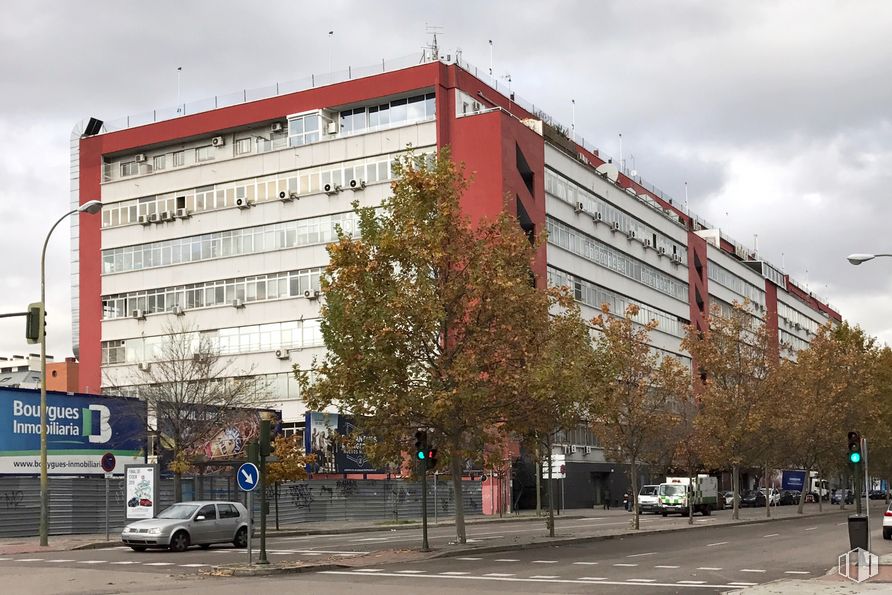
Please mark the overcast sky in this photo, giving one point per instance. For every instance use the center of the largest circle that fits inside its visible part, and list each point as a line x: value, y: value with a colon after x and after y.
x: 777, y: 114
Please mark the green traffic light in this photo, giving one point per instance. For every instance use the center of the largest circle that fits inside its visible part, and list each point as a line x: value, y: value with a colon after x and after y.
x: 421, y: 455
x: 855, y: 457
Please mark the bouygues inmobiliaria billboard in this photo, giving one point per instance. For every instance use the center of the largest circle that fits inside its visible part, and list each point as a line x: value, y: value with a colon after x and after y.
x: 80, y: 429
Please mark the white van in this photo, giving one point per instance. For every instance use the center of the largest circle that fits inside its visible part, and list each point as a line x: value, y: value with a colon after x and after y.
x: 648, y: 499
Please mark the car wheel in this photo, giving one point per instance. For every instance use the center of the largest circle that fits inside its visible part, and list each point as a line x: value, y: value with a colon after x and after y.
x: 204, y: 546
x: 887, y: 532
x: 179, y: 542
x: 142, y: 548
x: 241, y: 538
x: 665, y: 514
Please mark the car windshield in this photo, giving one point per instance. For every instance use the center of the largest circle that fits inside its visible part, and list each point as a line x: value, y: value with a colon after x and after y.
x: 178, y: 511
x: 672, y: 490
x: 648, y: 491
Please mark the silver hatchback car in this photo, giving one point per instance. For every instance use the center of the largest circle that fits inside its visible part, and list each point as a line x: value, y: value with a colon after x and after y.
x: 190, y: 523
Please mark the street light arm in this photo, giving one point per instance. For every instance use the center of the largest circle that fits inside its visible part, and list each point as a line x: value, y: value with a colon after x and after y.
x: 857, y: 259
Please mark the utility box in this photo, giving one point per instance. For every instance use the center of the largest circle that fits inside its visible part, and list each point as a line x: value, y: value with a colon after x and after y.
x: 858, y: 531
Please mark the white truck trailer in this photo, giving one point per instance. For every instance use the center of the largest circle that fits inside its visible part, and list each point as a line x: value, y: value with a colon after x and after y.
x: 675, y: 492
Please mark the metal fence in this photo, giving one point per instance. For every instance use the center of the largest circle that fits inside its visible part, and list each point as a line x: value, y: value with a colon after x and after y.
x: 77, y: 505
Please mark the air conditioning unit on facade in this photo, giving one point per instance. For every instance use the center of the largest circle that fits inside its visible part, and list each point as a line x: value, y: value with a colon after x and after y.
x: 616, y: 226
x: 676, y: 259
x: 282, y: 354
x: 183, y: 213
x: 312, y: 294
x: 647, y: 243
x: 243, y: 203
x: 572, y: 449
x: 144, y: 366
x: 237, y: 303
x: 143, y: 220
x: 277, y: 127
x: 218, y: 141
x: 178, y: 311
x: 357, y: 185
x: 153, y: 218
x: 331, y: 128
x: 200, y: 357
x: 138, y: 314
x: 587, y: 450
x: 330, y: 189
x: 596, y: 216
x: 140, y: 158
x: 631, y: 234
x: 579, y: 208
x: 662, y: 251
x: 287, y: 196
x: 167, y: 216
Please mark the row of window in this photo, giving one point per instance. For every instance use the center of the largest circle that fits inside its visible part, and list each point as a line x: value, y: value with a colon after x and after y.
x: 253, y: 338
x: 592, y: 295
x: 794, y: 317
x: 723, y: 276
x: 575, y: 241
x: 393, y: 113
x: 572, y: 193
x: 792, y: 341
x: 267, y: 188
x: 235, y: 242
x: 274, y: 286
x: 265, y: 387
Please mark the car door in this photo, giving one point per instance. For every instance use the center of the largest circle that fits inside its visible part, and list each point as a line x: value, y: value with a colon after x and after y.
x: 205, y: 530
x: 227, y: 521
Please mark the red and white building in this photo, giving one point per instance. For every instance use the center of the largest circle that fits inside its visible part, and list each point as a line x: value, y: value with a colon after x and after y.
x: 222, y: 216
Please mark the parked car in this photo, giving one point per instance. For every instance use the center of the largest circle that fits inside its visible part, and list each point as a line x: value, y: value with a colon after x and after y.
x: 846, y: 496
x: 729, y: 498
x: 648, y: 501
x: 752, y: 498
x: 877, y: 495
x: 887, y: 523
x: 789, y: 497
x: 773, y: 495
x: 190, y: 523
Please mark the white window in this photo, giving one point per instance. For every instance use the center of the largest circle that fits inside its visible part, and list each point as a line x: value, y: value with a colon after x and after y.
x: 303, y: 130
x: 129, y: 168
x: 159, y: 162
x: 205, y: 153
x: 178, y: 158
x: 242, y: 146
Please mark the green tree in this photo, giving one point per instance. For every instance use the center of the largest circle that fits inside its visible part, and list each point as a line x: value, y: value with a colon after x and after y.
x: 430, y: 321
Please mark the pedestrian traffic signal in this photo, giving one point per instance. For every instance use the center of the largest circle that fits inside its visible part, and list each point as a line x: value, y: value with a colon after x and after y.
x: 420, y: 445
x: 35, y: 322
x: 431, y: 458
x: 854, y: 447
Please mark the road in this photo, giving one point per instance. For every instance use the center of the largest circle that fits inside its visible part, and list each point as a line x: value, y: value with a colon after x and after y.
x: 719, y: 558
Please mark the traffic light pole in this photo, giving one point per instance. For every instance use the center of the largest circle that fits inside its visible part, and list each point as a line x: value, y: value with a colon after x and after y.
x: 264, y: 452
x: 867, y: 490
x: 422, y: 466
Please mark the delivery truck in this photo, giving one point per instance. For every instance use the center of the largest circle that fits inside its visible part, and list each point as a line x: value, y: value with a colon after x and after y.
x: 675, y: 493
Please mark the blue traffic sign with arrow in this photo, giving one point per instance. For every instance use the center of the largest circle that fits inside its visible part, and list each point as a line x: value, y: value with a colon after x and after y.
x: 248, y: 477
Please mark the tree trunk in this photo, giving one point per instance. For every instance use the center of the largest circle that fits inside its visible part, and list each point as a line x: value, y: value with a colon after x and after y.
x: 178, y: 487
x: 690, y: 500
x: 801, y: 507
x: 735, y: 485
x: 538, y: 478
x: 820, y: 495
x: 455, y: 467
x: 633, y: 471
x: 767, y: 494
x: 842, y: 497
x: 550, y: 492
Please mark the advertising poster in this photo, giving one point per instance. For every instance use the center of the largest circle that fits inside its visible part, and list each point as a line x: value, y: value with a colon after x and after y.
x: 80, y: 430
x: 324, y: 437
x: 141, y: 491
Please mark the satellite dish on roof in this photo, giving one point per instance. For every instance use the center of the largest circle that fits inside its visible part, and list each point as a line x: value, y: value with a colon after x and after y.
x: 609, y: 171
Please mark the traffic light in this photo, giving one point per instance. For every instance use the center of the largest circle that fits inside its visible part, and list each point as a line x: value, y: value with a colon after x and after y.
x: 35, y: 322
x: 420, y: 445
x: 431, y: 458
x: 854, y: 447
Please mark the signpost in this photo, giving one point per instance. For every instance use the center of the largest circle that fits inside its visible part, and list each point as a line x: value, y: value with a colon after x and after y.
x: 248, y: 477
x: 108, y: 465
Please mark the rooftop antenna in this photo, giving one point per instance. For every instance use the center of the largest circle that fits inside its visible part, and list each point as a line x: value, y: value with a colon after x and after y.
x: 431, y: 51
x: 685, y: 197
x: 573, y: 119
x: 330, y: 45
x: 490, y: 59
x: 179, y: 107
x: 756, y: 244
x: 783, y: 263
x: 622, y: 164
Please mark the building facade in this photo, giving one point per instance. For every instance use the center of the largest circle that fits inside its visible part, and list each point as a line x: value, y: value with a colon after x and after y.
x: 219, y: 219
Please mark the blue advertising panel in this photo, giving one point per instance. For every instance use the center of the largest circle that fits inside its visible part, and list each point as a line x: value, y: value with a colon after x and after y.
x: 80, y: 430
x: 793, y: 480
x: 324, y: 437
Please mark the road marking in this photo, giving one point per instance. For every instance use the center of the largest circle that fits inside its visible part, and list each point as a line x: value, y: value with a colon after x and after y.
x: 498, y: 574
x: 410, y: 571
x: 56, y: 561
x: 708, y: 568
x: 717, y: 543
x: 641, y: 580
x: 639, y: 555
x: 454, y: 573
x: 368, y: 569
x: 771, y: 535
x: 158, y: 564
x: 666, y: 566
x: 515, y: 579
x: 544, y: 561
x: 30, y: 560
x: 626, y: 565
x: 193, y: 565
x: 126, y: 562
x: 738, y: 584
x: 751, y: 570
x: 95, y: 562
x: 6, y: 558
x: 811, y: 528
x: 469, y: 558
x: 796, y: 572
x: 585, y: 563
x: 545, y: 576
x: 372, y: 539
x: 592, y: 578
x: 507, y: 560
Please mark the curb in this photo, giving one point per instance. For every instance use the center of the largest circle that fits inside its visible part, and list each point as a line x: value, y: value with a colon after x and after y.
x: 557, y: 541
x: 269, y: 570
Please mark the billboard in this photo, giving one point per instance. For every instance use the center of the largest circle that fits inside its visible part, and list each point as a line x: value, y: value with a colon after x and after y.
x: 142, y: 491
x: 80, y: 430
x: 793, y: 480
x: 323, y: 437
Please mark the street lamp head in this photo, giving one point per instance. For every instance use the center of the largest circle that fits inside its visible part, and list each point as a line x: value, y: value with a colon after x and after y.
x: 857, y: 259
x: 91, y: 207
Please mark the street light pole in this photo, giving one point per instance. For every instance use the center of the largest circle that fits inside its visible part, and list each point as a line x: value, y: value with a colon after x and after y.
x: 92, y: 207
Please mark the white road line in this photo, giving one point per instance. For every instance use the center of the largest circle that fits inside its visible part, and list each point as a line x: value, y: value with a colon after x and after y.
x: 126, y: 562
x: 498, y: 574
x: 639, y: 555
x: 515, y: 579
x: 666, y: 566
x: 592, y: 578
x: 371, y: 539
x: 410, y: 571
x: 507, y: 560
x: 717, y: 543
x: 545, y: 561
x: 6, y: 558
x: 193, y: 565
x: 626, y: 565
x: 641, y: 580
x: 771, y: 535
x: 545, y: 576
x: 739, y: 584
x: 796, y: 572
x: 469, y: 558
x: 454, y: 573
x: 811, y: 528
x: 158, y: 564
x: 708, y: 568
x: 368, y: 570
x: 30, y: 559
x: 56, y: 561
x: 585, y: 563
x: 751, y: 570
x: 95, y: 562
